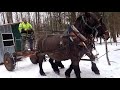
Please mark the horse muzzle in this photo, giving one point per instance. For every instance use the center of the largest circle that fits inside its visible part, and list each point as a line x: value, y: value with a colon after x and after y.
x: 106, y: 36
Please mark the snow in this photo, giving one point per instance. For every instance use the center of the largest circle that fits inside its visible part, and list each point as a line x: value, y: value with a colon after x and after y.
x: 25, y: 69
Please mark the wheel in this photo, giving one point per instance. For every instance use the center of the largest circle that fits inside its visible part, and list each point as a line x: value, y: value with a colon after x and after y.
x: 34, y: 59
x: 9, y: 62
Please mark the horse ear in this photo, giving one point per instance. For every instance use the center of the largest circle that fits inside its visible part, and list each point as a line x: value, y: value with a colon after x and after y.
x: 87, y: 14
x: 100, y: 20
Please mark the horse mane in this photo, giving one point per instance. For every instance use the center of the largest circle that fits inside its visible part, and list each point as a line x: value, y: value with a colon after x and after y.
x: 80, y: 25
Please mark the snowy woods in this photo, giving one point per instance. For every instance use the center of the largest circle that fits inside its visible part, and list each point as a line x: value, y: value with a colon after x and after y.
x: 58, y: 21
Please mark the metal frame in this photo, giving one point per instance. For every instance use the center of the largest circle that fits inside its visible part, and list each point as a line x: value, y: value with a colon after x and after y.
x: 9, y: 39
x: 6, y: 29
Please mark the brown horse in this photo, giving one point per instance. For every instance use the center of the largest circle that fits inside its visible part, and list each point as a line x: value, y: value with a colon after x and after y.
x: 102, y: 30
x: 59, y: 48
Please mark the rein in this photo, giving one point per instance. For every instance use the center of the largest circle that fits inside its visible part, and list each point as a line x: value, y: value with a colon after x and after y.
x: 92, y: 28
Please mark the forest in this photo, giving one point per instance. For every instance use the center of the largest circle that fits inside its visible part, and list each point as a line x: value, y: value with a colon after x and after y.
x: 59, y: 21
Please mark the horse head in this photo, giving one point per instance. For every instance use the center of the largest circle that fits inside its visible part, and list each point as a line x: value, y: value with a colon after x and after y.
x: 90, y: 24
x: 102, y: 30
x: 87, y: 23
x: 90, y: 19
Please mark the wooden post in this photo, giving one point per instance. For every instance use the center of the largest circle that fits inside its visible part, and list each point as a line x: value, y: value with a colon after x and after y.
x: 107, y: 52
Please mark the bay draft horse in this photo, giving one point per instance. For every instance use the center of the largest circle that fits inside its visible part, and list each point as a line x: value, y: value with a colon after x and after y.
x: 60, y: 47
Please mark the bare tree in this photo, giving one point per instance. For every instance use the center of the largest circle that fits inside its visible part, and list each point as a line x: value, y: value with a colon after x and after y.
x: 17, y: 18
x: 28, y: 15
x: 3, y: 17
x: 56, y: 21
x: 72, y: 17
x: 21, y: 15
x: 9, y: 17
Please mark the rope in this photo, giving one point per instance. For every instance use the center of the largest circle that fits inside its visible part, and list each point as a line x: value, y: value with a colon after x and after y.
x: 108, y: 52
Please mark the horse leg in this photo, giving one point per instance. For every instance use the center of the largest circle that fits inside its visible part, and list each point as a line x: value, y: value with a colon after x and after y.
x: 68, y: 71
x: 54, y: 66
x: 76, y: 68
x: 40, y: 65
x: 94, y: 66
x: 77, y: 71
x: 59, y: 63
x: 75, y: 65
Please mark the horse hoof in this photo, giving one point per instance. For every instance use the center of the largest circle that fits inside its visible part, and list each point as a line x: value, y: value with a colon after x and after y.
x: 43, y: 74
x: 78, y: 77
x: 95, y: 70
x: 57, y: 72
x: 67, y: 76
x: 98, y: 73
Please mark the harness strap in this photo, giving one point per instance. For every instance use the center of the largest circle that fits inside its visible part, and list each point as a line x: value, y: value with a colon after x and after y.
x: 79, y: 35
x: 91, y: 27
x: 86, y: 23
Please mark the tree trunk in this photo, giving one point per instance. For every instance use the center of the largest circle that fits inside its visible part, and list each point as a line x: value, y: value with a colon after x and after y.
x: 21, y: 14
x: 112, y: 27
x: 17, y: 19
x: 9, y: 17
x: 3, y: 18
x: 28, y: 16
x: 114, y: 31
x: 72, y: 17
x: 59, y: 21
x: 51, y: 23
x: 114, y: 38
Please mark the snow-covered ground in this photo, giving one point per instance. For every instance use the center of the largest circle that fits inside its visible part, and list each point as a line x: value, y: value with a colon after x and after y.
x: 25, y: 69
